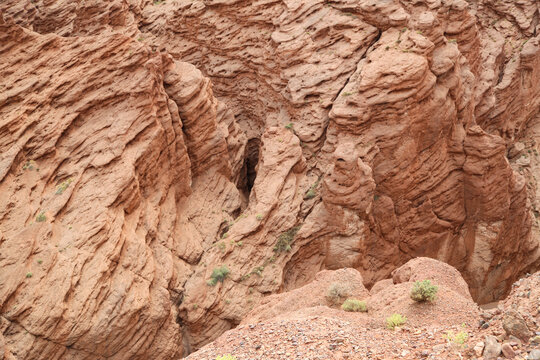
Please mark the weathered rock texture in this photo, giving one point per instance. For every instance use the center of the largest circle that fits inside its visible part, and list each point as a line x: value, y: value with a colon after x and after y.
x: 95, y: 171
x: 301, y: 324
x: 145, y: 144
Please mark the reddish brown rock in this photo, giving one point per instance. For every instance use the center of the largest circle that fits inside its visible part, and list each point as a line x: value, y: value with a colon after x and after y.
x: 144, y: 144
x: 452, y: 294
x: 507, y: 351
x: 90, y: 191
x: 341, y: 284
x: 420, y: 269
x: 514, y: 324
x: 297, y: 323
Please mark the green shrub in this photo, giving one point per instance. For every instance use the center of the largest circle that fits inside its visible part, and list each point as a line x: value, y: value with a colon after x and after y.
x: 423, y: 291
x: 41, y: 217
x: 285, y: 239
x: 218, y: 274
x: 259, y: 217
x: 459, y: 339
x: 337, y: 292
x: 28, y: 275
x: 310, y: 194
x: 395, y: 320
x: 63, y: 186
x: 354, y: 305
x: 226, y: 357
x: 258, y: 271
x: 29, y: 165
x: 221, y: 246
x: 289, y: 126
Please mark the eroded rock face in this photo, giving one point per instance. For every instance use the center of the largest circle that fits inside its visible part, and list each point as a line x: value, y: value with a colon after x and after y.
x: 94, y: 169
x: 145, y: 144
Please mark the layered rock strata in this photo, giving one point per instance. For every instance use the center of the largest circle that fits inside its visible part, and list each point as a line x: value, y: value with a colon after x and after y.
x: 145, y: 145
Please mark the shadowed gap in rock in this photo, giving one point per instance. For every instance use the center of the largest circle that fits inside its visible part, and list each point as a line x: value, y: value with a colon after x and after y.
x: 249, y: 171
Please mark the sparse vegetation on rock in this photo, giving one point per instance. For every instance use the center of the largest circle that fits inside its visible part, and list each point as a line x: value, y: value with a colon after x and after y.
x: 226, y: 357
x: 285, y: 240
x: 423, y: 291
x: 63, y: 186
x: 41, y: 217
x: 337, y: 292
x: 456, y: 338
x: 29, y: 165
x: 354, y: 305
x: 218, y: 275
x: 312, y: 192
x: 395, y: 320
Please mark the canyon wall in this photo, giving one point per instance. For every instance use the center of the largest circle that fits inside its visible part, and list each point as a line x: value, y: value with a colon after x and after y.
x: 145, y: 145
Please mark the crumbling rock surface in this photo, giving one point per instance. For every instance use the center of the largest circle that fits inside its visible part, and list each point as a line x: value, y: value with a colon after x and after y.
x: 301, y: 324
x: 515, y: 321
x: 145, y: 144
x: 93, y: 172
x: 328, y: 288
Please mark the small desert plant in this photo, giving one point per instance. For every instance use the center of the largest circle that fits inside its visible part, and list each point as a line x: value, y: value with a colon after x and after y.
x: 40, y: 261
x: 337, y: 292
x: 63, y: 186
x: 459, y: 339
x: 221, y: 246
x: 218, y: 274
x: 310, y: 194
x: 423, y: 291
x: 354, y: 305
x: 289, y: 126
x: 258, y: 270
x: 29, y: 165
x: 259, y: 217
x: 41, y: 217
x: 395, y: 320
x: 28, y: 275
x: 226, y: 357
x: 285, y: 239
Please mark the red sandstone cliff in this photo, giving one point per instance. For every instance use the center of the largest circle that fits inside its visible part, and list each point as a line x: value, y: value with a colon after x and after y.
x: 144, y: 144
